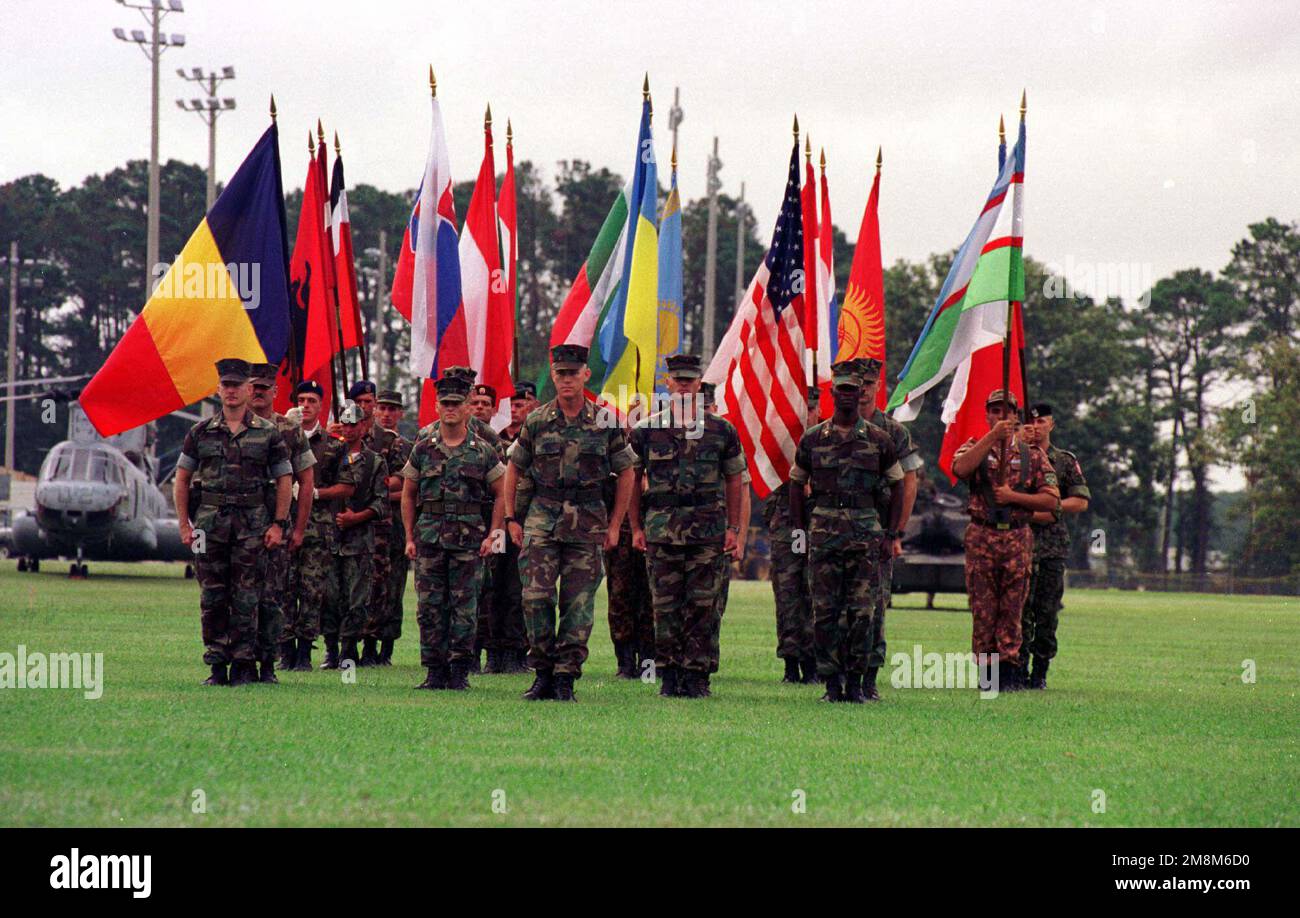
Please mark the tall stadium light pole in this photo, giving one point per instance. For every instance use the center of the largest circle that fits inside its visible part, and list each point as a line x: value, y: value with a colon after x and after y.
x: 711, y: 252
x: 11, y: 363
x: 152, y: 46
x: 740, y: 244
x: 209, y: 110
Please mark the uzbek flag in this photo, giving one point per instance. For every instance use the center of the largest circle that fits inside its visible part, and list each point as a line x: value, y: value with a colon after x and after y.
x: 226, y: 295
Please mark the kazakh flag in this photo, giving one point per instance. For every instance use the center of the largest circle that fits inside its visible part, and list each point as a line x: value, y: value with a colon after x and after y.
x: 628, y: 333
x: 670, y: 284
x: 226, y: 295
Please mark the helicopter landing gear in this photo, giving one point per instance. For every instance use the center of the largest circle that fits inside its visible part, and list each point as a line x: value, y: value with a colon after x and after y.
x: 22, y: 564
x: 78, y: 571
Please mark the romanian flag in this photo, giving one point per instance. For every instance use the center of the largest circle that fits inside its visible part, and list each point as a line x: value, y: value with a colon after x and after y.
x: 226, y: 295
x: 629, y: 332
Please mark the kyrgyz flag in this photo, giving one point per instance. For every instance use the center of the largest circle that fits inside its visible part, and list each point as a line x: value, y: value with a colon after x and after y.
x: 226, y: 295
x: 967, y: 328
x: 861, y: 321
x: 489, y: 313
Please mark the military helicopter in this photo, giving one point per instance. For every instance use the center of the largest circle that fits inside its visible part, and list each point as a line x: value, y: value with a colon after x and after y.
x: 934, y: 556
x: 96, y: 500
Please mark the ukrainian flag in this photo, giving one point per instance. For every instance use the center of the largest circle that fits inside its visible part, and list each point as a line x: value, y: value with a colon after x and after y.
x: 226, y: 295
x: 629, y: 332
x: 670, y: 285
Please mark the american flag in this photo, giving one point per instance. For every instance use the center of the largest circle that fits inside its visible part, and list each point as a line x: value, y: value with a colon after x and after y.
x: 759, y: 365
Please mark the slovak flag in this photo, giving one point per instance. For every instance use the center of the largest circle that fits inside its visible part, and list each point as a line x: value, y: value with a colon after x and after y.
x: 426, y: 283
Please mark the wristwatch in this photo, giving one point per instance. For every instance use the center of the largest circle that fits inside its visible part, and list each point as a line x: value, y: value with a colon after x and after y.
x: 735, y: 529
x: 508, y: 520
x: 284, y: 524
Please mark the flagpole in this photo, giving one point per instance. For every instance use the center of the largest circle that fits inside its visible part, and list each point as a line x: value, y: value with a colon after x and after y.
x: 513, y: 268
x: 1024, y: 367
x: 363, y: 349
x: 332, y: 290
x: 295, y: 365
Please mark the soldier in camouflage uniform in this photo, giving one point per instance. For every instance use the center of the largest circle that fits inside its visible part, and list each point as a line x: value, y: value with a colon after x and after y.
x: 235, y: 454
x: 386, y: 444
x: 1009, y: 480
x: 388, y: 596
x: 1051, y: 546
x: 708, y: 394
x: 317, y: 572
x: 848, y: 463
x: 450, y: 476
x: 508, y: 597
x: 482, y: 406
x: 627, y: 587
x: 567, y: 450
x: 909, y: 457
x: 691, y: 463
x: 343, y: 621
x: 279, y: 561
x: 789, y: 574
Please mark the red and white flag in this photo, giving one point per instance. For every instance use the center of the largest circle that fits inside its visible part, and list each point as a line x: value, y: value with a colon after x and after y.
x: 508, y: 222
x: 759, y: 365
x: 345, y: 270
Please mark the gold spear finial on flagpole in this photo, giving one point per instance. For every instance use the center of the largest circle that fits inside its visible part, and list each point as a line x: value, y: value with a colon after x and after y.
x: 510, y: 134
x: 796, y: 129
x: 433, y: 83
x: 273, y: 107
x: 320, y: 132
x: 674, y: 159
x: 1023, y: 95
x: 880, y: 160
x: 311, y: 143
x: 1002, y: 130
x: 807, y: 148
x: 338, y: 151
x: 645, y: 87
x: 487, y: 118
x: 823, y: 159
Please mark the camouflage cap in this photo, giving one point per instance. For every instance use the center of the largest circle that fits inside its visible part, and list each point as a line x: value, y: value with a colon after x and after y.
x: 263, y: 373
x: 361, y: 387
x: 390, y: 397
x: 484, y: 389
x: 870, y: 367
x: 709, y: 390
x: 998, y: 396
x: 1041, y: 410
x: 308, y: 387
x: 452, y: 388
x: 847, y: 373
x: 466, y: 373
x: 351, y: 413
x: 568, y: 357
x: 525, y: 390
x: 233, y: 370
x: 684, y: 366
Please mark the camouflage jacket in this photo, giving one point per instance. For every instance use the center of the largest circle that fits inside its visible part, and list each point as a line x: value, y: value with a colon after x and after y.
x: 847, y: 471
x: 1052, y: 540
x: 454, y: 485
x: 394, y: 449
x: 300, y: 457
x: 685, y: 501
x: 567, y: 463
x: 234, y: 470
x: 909, y: 454
x: 332, y: 467
x: 478, y: 426
x: 776, y: 511
x: 371, y: 494
x: 1039, y: 475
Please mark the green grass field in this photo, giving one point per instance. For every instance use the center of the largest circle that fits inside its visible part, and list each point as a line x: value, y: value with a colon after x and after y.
x: 1146, y: 704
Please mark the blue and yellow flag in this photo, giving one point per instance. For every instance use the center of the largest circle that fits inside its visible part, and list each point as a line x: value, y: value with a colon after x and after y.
x: 670, y: 284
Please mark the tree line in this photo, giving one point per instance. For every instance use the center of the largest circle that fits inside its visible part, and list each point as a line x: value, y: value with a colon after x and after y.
x: 1202, y: 371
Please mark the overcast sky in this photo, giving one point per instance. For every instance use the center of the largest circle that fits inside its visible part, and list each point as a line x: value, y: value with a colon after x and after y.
x: 1157, y: 131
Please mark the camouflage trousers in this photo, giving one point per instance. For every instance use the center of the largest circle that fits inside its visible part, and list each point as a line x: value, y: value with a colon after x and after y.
x: 230, y: 577
x: 395, y: 595
x: 505, y: 624
x: 844, y: 589
x: 997, y: 582
x: 684, y: 582
x: 631, y: 609
x: 275, y: 596
x: 876, y: 658
x: 378, y: 607
x: 346, y: 617
x: 576, y: 568
x: 1043, y: 608
x: 317, y: 577
x: 794, y: 622
x: 720, y: 603
x: 447, y: 584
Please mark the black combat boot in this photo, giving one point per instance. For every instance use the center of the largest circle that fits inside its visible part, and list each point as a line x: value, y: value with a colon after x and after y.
x: 331, y: 652
x: 268, y: 670
x: 543, y: 687
x: 853, y: 689
x: 809, y: 665
x: 288, y: 654
x: 302, y: 662
x: 519, y: 661
x: 369, y: 654
x: 791, y: 671
x: 458, y: 676
x: 493, y: 663
x: 645, y: 654
x: 436, y: 679
x: 243, y: 672
x: 386, y: 653
x: 1038, y: 678
x: 1009, y: 677
x: 670, y: 688
x: 697, y: 685
x: 476, y: 662
x: 564, y: 687
x: 626, y: 656
x: 834, y: 689
x: 218, y: 676
x: 869, y: 684
x: 348, y: 651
